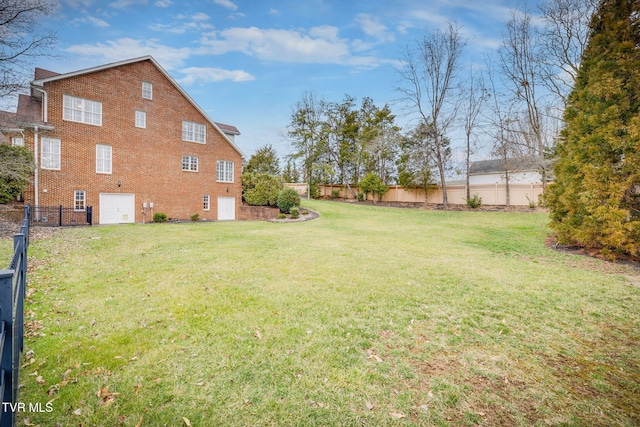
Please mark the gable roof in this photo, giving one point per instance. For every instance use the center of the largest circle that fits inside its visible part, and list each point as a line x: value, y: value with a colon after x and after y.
x: 45, y: 76
x: 483, y: 167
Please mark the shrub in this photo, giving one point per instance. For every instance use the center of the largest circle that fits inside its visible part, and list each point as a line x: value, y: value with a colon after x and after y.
x: 287, y: 199
x: 360, y: 196
x: 195, y: 217
x: 335, y: 194
x: 15, y: 170
x: 475, y: 201
x: 261, y: 189
x: 372, y: 183
x: 295, y: 212
x: 281, y: 216
x: 159, y: 217
x: 305, y: 212
x: 314, y: 189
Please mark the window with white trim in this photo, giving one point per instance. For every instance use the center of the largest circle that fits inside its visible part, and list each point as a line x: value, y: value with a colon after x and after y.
x: 82, y: 110
x: 50, y: 153
x: 190, y: 163
x: 206, y: 202
x: 194, y: 132
x: 103, y: 158
x: 147, y: 90
x: 80, y: 200
x: 17, y: 141
x: 224, y: 171
x: 141, y: 119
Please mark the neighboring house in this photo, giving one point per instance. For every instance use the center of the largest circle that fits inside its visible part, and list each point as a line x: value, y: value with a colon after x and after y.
x: 496, y: 171
x: 126, y: 139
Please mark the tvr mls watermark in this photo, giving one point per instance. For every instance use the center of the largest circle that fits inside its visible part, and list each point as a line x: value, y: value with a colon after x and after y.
x: 27, y: 407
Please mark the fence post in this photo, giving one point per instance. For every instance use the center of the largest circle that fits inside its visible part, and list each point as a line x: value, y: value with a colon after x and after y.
x: 90, y: 215
x: 6, y: 322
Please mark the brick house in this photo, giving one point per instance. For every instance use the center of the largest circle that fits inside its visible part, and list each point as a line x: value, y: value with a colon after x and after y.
x: 126, y: 139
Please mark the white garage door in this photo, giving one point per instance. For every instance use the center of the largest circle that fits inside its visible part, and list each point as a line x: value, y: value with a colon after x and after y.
x: 226, y: 208
x: 117, y: 208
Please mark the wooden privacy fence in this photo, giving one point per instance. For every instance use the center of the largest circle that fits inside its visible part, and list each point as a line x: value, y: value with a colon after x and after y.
x: 12, y: 290
x: 491, y: 194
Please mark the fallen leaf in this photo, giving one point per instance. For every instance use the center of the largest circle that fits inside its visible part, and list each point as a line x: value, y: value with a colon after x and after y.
x: 77, y: 412
x: 40, y: 380
x: 186, y: 421
x: 397, y: 415
x: 139, y: 423
x: 258, y: 334
x: 137, y: 388
x: 369, y: 406
x: 27, y: 422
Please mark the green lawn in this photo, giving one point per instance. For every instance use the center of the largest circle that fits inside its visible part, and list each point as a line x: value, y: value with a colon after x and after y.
x: 365, y: 316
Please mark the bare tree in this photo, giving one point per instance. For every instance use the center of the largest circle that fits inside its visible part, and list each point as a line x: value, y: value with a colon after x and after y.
x: 519, y: 58
x: 19, y: 44
x: 476, y: 95
x: 431, y: 87
x: 503, y: 124
x: 564, y: 38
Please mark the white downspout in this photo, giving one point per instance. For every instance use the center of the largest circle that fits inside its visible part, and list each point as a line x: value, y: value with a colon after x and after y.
x: 36, y: 153
x: 35, y: 173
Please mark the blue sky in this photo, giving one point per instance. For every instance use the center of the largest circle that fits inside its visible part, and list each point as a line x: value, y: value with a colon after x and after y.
x: 247, y: 62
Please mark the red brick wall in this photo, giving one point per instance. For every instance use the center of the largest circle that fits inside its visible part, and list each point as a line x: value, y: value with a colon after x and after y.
x: 146, y: 162
x: 258, y: 213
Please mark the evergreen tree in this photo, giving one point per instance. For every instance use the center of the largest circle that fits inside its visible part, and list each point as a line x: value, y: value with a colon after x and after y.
x: 265, y: 160
x: 16, y: 167
x: 595, y: 200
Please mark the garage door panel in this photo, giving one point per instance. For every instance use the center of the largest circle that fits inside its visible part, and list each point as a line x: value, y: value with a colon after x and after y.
x: 117, y: 208
x: 226, y: 208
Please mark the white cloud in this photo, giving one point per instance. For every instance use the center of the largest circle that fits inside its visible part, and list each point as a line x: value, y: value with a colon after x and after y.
x: 120, y: 4
x: 212, y: 75
x: 98, y: 22
x: 126, y: 48
x: 226, y: 3
x: 274, y: 12
x: 77, y: 3
x: 194, y: 23
x: 372, y: 27
x: 200, y: 16
x: 318, y: 45
x: 91, y: 20
x: 163, y: 3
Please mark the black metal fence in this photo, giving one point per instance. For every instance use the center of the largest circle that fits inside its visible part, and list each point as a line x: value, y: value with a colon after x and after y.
x: 13, y: 283
x: 59, y: 216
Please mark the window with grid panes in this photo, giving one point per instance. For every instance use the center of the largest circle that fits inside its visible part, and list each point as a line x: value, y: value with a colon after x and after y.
x: 193, y: 132
x: 147, y: 90
x: 80, y: 200
x: 190, y: 163
x: 224, y: 171
x: 50, y: 153
x: 141, y: 119
x: 103, y: 158
x: 81, y: 110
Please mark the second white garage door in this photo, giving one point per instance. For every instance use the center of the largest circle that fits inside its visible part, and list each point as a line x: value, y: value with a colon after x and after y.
x: 117, y: 208
x: 226, y: 208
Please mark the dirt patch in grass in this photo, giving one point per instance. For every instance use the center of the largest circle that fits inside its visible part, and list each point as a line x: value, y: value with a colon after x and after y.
x: 9, y: 228
x: 627, y: 266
